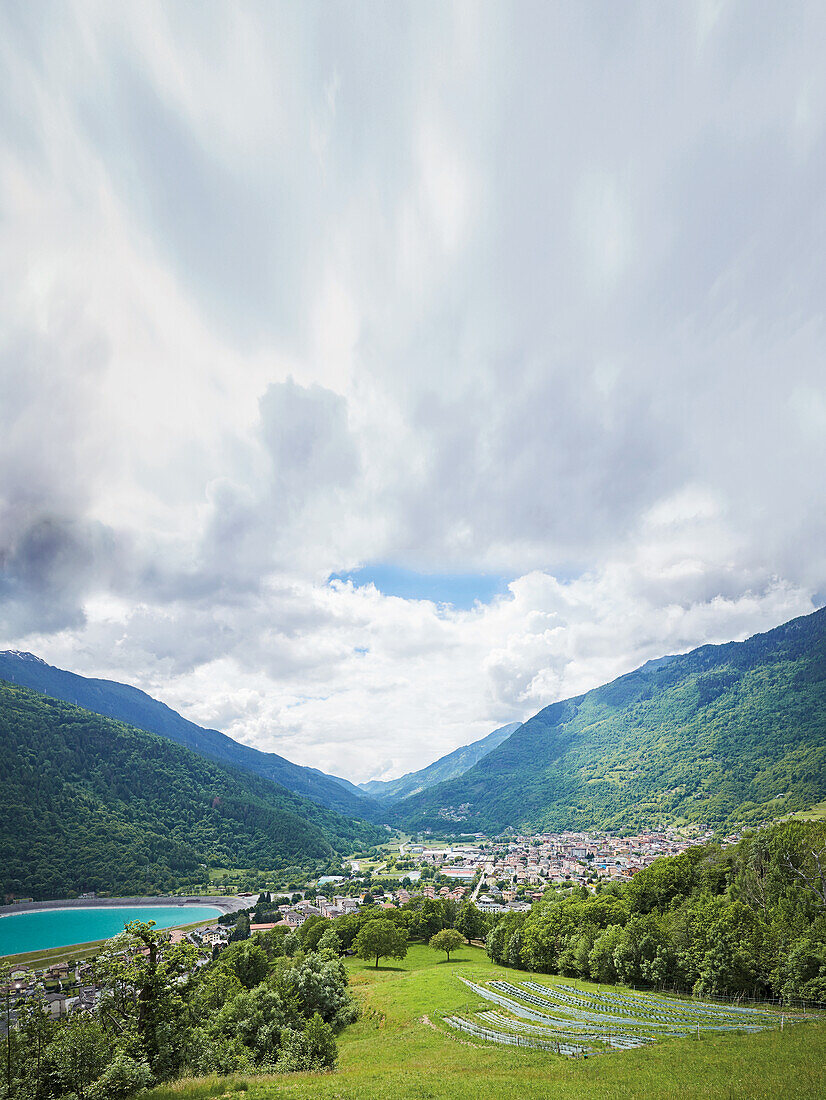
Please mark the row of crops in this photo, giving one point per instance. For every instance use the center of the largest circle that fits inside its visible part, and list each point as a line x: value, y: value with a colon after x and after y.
x: 574, y: 1021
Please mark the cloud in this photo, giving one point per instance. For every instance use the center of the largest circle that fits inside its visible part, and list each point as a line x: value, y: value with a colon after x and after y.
x: 528, y: 292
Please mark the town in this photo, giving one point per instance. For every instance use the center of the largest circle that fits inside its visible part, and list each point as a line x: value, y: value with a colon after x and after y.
x: 499, y: 875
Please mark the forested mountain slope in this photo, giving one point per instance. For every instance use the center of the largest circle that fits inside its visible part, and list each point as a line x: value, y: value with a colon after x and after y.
x: 454, y: 764
x: 723, y: 734
x: 91, y: 804
x: 129, y: 704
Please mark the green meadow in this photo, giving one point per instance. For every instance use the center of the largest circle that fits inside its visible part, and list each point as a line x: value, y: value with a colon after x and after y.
x: 400, y: 1049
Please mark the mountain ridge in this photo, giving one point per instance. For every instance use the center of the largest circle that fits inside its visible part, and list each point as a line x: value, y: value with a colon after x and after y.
x: 90, y: 803
x: 449, y: 766
x: 720, y: 735
x: 125, y: 703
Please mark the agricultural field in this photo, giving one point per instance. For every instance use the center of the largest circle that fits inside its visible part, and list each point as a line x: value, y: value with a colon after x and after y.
x: 406, y: 1044
x: 579, y: 1022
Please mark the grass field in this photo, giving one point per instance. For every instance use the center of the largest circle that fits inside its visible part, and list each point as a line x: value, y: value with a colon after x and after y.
x: 400, y: 1049
x: 816, y: 813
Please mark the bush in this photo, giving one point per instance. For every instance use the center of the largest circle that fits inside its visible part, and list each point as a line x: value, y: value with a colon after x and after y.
x: 122, y: 1078
x: 312, y: 1049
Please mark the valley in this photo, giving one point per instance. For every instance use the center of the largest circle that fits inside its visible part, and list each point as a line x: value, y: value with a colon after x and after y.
x: 554, y: 854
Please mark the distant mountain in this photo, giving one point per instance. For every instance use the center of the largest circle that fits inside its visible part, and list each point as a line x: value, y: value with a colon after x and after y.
x: 129, y: 704
x: 92, y: 804
x: 451, y: 766
x: 723, y: 734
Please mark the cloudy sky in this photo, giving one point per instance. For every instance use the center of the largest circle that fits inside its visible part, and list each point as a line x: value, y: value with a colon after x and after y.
x: 372, y: 375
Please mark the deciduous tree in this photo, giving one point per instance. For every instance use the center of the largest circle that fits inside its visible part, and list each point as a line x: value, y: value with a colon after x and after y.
x: 447, y: 940
x: 381, y: 939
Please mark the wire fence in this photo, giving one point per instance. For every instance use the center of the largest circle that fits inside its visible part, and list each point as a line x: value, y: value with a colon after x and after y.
x: 734, y: 998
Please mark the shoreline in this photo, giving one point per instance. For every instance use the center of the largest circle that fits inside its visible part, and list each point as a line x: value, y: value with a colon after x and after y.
x: 33, y: 960
x: 224, y: 905
x: 104, y: 909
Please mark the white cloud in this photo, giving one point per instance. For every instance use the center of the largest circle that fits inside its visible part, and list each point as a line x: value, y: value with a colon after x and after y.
x: 535, y: 292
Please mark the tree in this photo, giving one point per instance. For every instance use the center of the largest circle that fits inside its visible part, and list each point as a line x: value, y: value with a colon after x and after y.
x: 312, y: 1049
x: 330, y: 941
x: 146, y: 983
x: 321, y: 1046
x: 80, y: 1053
x: 35, y: 1031
x: 311, y: 932
x: 291, y: 944
x: 470, y: 922
x: 428, y: 919
x: 250, y: 964
x: 381, y: 939
x: 216, y: 986
x: 241, y: 931
x: 5, y: 987
x: 447, y: 940
x: 123, y: 1077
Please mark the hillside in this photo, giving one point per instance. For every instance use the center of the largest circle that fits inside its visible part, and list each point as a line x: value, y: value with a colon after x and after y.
x: 401, y: 1048
x: 722, y: 734
x: 129, y: 704
x: 451, y: 766
x: 92, y: 804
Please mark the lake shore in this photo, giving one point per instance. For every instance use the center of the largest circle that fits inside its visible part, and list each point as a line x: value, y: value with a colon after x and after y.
x: 224, y: 904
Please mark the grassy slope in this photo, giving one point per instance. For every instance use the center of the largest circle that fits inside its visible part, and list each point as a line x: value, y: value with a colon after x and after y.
x: 731, y: 733
x: 814, y: 813
x: 391, y: 1052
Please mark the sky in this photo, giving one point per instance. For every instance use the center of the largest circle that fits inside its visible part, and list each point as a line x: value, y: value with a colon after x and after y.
x: 373, y: 375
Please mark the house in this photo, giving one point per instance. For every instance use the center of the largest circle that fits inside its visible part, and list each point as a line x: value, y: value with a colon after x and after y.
x: 213, y: 936
x: 55, y: 1004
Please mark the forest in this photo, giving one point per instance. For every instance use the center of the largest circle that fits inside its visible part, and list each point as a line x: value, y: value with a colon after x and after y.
x: 262, y: 1006
x: 723, y: 735
x: 92, y: 804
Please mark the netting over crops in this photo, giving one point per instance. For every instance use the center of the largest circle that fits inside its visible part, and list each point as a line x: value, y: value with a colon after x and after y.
x: 573, y: 1021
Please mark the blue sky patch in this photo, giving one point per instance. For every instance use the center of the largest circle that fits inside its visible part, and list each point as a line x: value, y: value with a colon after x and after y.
x: 462, y: 590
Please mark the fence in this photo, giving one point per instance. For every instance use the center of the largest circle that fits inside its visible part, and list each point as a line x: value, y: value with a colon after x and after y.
x: 504, y: 1039
x: 733, y: 998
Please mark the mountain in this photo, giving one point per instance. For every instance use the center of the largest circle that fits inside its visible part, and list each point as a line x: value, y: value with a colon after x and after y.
x: 721, y: 735
x: 136, y: 708
x: 92, y: 804
x: 451, y: 766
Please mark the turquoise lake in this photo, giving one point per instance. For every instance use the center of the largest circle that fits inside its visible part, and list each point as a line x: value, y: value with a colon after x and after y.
x: 45, y: 928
